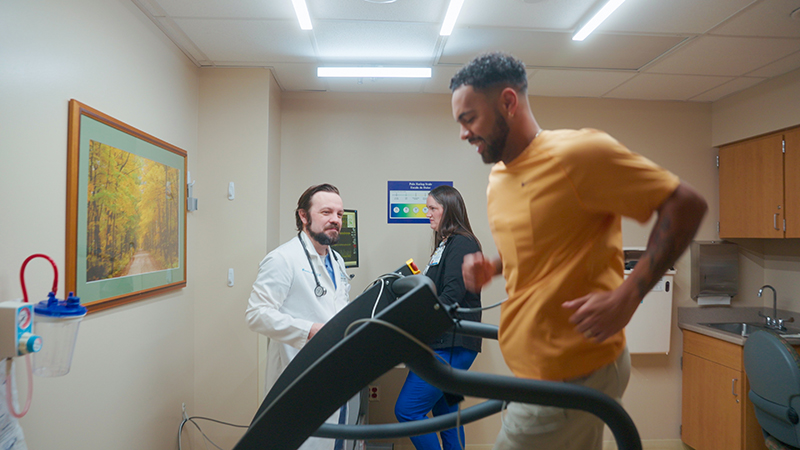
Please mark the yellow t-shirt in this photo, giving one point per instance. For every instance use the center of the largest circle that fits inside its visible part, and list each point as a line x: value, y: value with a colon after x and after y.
x: 555, y: 215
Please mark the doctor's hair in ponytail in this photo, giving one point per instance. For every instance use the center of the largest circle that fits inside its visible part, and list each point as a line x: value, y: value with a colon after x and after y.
x: 304, y: 202
x: 454, y: 215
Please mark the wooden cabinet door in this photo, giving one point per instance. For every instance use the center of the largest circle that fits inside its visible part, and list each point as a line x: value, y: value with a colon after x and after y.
x: 711, y: 408
x: 751, y: 188
x: 791, y: 173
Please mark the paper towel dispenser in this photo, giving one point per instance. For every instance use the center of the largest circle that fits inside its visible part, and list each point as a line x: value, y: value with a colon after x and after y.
x: 715, y: 269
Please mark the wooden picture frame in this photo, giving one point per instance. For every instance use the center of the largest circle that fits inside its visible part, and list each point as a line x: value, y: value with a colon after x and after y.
x: 126, y: 211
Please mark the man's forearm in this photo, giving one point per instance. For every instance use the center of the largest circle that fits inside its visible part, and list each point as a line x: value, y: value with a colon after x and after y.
x: 679, y: 218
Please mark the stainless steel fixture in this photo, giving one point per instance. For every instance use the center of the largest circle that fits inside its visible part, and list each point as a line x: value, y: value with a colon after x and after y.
x: 773, y: 322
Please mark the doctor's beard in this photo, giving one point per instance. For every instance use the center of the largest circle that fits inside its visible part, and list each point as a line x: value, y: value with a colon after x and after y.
x: 322, y: 238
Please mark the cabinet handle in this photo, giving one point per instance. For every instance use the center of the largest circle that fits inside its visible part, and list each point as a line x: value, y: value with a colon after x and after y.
x: 775, y: 221
x: 733, y: 389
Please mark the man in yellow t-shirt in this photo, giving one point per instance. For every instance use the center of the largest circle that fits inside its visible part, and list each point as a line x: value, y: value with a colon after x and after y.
x: 555, y: 202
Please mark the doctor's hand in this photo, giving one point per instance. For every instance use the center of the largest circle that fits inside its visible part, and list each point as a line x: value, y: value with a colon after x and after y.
x: 478, y: 271
x: 600, y: 315
x: 314, y: 329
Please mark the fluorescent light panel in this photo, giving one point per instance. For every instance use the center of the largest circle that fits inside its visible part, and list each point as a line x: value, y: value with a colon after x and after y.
x: 598, y: 18
x: 450, y: 17
x: 375, y: 72
x: 301, y: 10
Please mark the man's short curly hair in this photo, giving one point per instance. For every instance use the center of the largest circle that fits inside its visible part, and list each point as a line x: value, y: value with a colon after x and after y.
x: 491, y: 70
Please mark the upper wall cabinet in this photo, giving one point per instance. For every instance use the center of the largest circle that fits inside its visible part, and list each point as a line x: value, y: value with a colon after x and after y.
x: 759, y: 187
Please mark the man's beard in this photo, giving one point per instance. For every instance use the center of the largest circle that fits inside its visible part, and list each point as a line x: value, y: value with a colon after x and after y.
x: 322, y: 238
x: 496, y: 143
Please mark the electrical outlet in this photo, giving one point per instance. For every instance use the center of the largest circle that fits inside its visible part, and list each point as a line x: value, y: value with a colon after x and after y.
x: 374, y: 393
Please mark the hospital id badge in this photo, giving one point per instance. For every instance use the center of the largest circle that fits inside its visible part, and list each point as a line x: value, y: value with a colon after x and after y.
x: 437, y: 256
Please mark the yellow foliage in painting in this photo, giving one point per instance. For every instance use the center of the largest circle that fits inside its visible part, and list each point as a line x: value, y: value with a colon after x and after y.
x: 132, y: 214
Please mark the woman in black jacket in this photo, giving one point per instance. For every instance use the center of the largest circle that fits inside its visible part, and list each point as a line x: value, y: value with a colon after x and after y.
x: 453, y: 238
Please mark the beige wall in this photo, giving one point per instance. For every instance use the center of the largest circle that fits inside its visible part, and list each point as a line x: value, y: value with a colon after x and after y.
x: 234, y: 146
x: 366, y: 140
x: 768, y: 106
x: 133, y: 366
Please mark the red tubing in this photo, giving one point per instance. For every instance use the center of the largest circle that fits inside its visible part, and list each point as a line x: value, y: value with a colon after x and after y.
x: 22, y: 274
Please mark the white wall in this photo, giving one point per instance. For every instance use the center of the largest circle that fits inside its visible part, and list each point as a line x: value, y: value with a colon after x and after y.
x: 359, y: 142
x: 134, y: 365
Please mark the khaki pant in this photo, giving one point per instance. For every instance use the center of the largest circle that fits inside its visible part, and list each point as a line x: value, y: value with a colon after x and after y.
x: 537, y: 427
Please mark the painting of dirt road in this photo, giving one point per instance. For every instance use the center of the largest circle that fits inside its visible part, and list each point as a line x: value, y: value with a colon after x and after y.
x: 133, y: 222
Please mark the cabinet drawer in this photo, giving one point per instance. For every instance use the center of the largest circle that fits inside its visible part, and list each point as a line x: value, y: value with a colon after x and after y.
x: 712, y: 349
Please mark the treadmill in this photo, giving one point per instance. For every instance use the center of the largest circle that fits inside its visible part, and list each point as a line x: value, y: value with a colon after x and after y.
x: 387, y: 325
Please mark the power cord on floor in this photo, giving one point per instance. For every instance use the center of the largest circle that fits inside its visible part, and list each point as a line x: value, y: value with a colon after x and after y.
x: 192, y: 419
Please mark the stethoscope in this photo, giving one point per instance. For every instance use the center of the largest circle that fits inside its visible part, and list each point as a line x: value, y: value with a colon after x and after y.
x: 319, y: 291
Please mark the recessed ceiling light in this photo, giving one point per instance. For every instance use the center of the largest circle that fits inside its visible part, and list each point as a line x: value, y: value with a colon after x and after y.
x: 301, y: 10
x: 380, y: 1
x: 598, y: 18
x: 450, y: 17
x: 374, y: 72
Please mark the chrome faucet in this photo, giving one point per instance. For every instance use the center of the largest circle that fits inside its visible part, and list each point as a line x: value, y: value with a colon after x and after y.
x: 774, y: 322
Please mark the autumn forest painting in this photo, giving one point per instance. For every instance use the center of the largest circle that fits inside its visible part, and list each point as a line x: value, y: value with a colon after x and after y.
x: 133, y: 222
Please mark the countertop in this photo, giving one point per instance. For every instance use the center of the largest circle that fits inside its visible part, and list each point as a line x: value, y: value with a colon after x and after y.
x: 691, y: 318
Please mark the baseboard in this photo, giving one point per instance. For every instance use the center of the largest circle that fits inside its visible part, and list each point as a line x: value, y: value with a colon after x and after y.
x: 650, y: 444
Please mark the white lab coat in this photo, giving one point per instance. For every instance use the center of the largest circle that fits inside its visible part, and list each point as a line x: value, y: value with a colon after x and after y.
x: 283, y: 306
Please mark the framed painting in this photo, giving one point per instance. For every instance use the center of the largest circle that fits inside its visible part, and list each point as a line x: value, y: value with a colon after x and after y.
x: 126, y: 214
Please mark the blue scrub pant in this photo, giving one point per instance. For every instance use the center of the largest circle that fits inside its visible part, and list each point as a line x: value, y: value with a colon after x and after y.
x: 418, y: 397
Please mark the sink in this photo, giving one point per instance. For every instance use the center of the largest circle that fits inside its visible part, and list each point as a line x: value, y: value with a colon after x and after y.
x: 746, y: 328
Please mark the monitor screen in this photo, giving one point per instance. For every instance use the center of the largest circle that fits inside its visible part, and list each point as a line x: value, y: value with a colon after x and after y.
x: 348, y: 238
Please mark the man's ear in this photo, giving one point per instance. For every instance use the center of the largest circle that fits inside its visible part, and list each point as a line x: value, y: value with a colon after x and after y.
x: 509, y: 101
x: 303, y: 217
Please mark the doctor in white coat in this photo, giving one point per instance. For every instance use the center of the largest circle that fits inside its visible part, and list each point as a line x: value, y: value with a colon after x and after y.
x: 301, y: 285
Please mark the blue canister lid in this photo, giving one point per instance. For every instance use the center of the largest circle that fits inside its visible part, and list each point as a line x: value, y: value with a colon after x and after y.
x: 53, y: 307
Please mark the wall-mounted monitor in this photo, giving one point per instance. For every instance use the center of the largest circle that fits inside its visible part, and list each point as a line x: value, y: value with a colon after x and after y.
x: 348, y: 238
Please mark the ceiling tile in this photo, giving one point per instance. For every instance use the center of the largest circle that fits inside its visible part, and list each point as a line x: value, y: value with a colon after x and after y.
x: 575, y: 83
x: 229, y: 9
x: 425, y: 11
x: 767, y: 18
x: 779, y: 67
x: 670, y: 16
x: 249, y: 40
x: 378, y: 42
x: 561, y: 15
x: 558, y: 50
x: 725, y: 56
x: 665, y: 87
x: 728, y: 88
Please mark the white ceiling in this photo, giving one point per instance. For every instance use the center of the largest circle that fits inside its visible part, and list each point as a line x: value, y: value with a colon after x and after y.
x: 687, y: 50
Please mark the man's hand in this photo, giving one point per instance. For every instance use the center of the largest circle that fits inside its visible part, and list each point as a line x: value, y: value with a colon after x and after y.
x: 314, y: 329
x: 478, y: 271
x: 601, y: 315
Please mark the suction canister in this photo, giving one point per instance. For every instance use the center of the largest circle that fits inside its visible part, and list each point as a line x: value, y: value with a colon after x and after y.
x: 57, y: 322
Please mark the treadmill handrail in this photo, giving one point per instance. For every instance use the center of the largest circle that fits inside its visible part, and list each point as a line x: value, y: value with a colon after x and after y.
x: 548, y: 393
x: 477, y: 329
x: 413, y: 428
